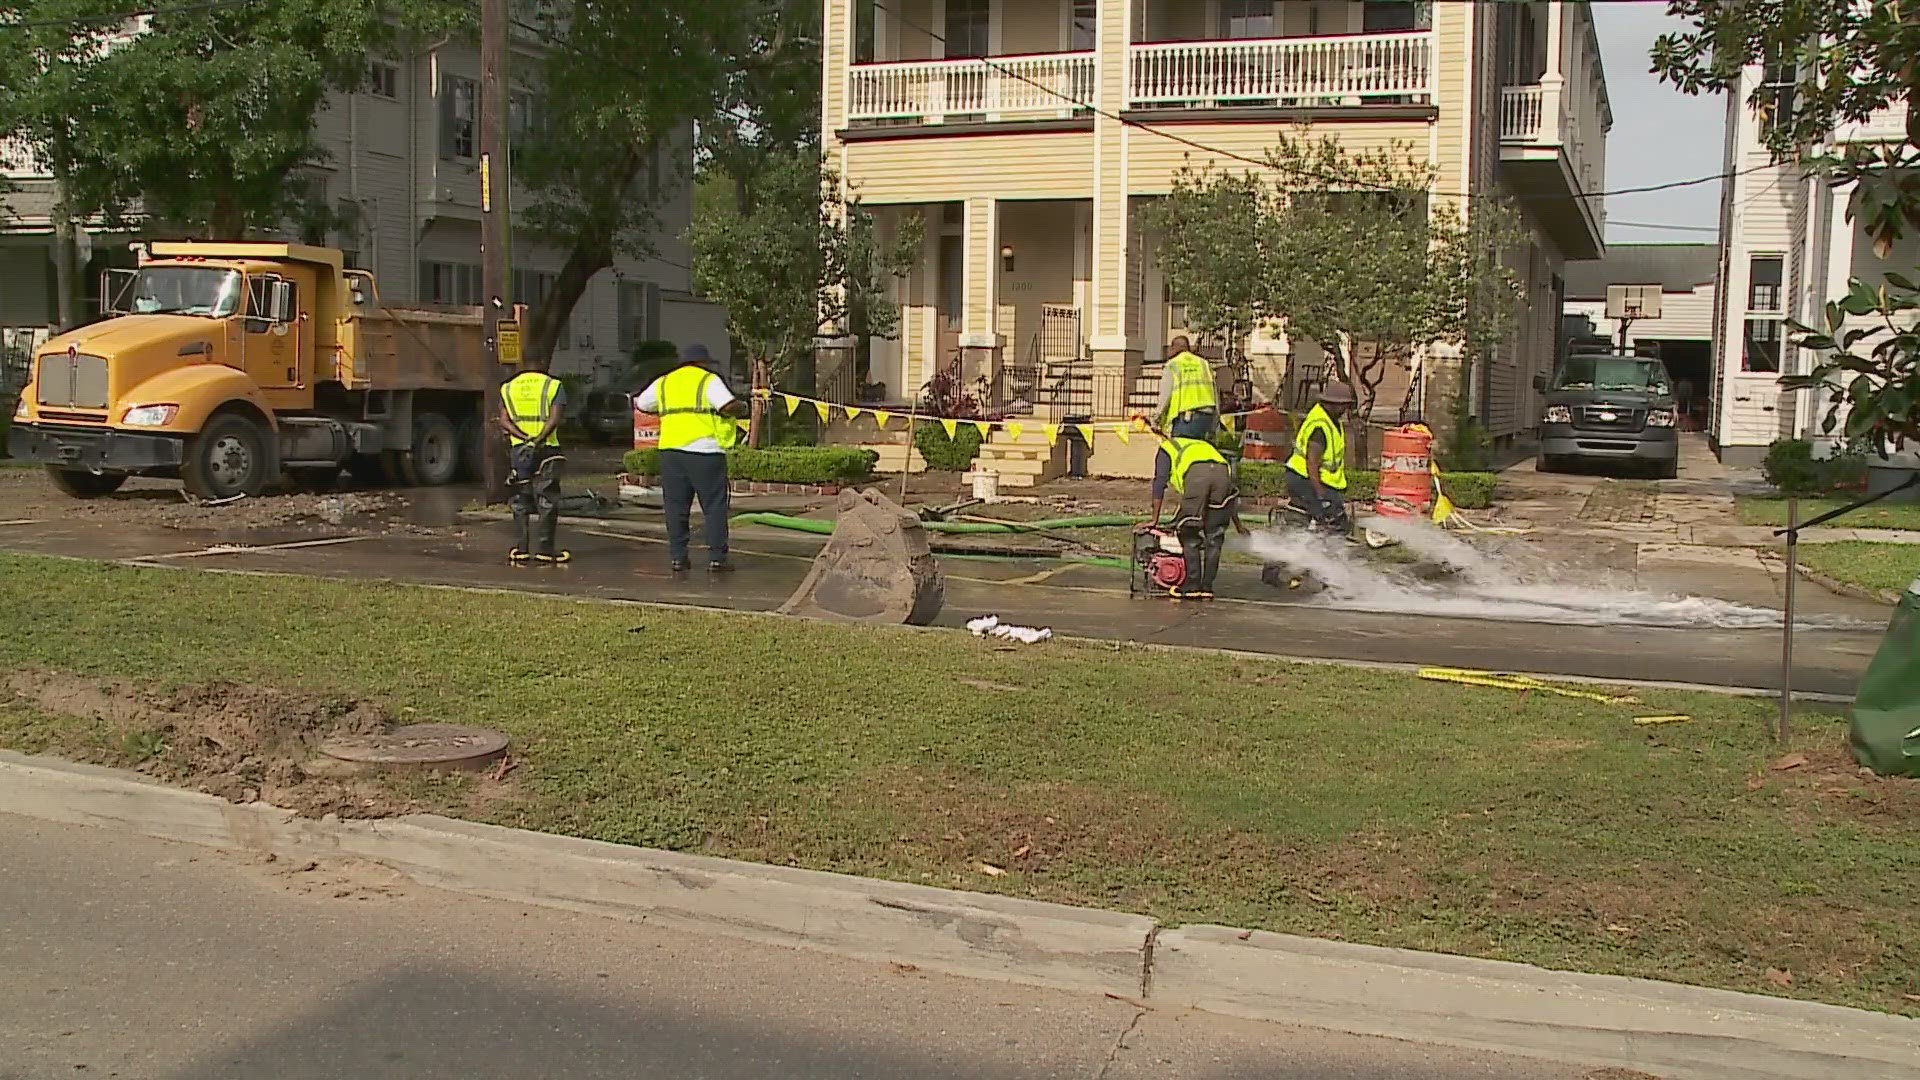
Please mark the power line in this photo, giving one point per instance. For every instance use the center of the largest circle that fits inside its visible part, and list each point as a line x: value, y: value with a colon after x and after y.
x: 1663, y: 225
x: 1153, y: 129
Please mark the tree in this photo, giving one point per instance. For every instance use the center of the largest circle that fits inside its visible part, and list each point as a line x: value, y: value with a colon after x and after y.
x: 621, y: 84
x: 1848, y: 61
x: 770, y: 105
x: 800, y: 259
x: 1214, y: 254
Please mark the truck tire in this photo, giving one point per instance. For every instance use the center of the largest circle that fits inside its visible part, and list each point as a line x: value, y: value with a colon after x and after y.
x: 435, y: 457
x: 231, y: 456
x: 81, y: 484
x: 473, y: 450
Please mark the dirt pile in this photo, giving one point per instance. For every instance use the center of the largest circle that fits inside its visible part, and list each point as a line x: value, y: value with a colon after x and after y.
x: 26, y: 493
x: 243, y: 743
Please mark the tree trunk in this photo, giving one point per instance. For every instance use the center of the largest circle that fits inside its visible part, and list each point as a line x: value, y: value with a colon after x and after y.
x: 227, y: 220
x: 549, y: 320
x: 757, y: 417
x: 63, y: 254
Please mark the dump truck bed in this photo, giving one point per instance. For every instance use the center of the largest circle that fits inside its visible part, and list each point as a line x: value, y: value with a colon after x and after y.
x: 394, y: 348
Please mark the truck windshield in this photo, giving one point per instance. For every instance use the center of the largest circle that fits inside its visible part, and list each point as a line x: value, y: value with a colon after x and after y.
x: 1637, y: 374
x: 183, y: 290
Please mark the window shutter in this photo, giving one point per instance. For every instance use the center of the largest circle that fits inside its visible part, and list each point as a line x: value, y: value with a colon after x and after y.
x: 652, y: 330
x: 446, y: 117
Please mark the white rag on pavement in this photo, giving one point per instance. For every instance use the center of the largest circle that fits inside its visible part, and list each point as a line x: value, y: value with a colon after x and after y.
x: 991, y: 626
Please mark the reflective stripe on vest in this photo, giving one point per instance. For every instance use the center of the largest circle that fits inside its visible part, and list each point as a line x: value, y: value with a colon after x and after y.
x: 1186, y: 453
x: 528, y: 397
x: 686, y: 416
x: 1333, y: 463
x: 1192, y: 385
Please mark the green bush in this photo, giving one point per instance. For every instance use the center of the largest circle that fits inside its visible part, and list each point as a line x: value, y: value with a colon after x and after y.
x: 780, y: 464
x: 945, y: 454
x: 1793, y: 471
x: 1468, y: 490
x: 1227, y: 441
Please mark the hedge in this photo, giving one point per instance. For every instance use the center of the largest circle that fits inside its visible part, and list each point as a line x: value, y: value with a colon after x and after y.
x: 780, y: 464
x: 944, y: 454
x: 1468, y: 490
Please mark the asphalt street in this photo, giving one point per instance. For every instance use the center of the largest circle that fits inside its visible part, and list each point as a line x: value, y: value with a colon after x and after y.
x: 128, y: 957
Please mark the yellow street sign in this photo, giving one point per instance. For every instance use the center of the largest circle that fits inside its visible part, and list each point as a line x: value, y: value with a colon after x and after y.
x: 509, y: 342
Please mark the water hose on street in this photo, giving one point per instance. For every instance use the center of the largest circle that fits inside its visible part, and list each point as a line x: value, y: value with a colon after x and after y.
x: 966, y: 528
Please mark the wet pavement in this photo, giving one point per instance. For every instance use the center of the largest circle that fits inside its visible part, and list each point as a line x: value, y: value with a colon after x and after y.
x: 618, y: 562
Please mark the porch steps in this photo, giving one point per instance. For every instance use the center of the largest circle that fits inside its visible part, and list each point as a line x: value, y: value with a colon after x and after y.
x: 895, y: 456
x: 1026, y: 463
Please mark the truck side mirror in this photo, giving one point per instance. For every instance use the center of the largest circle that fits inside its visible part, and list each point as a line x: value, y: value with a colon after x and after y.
x: 280, y: 301
x: 1540, y: 383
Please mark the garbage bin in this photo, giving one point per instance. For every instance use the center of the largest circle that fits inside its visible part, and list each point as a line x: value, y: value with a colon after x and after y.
x: 1885, y: 733
x: 1886, y: 474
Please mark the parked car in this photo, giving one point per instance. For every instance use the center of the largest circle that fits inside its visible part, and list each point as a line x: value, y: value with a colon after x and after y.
x: 1610, y: 407
x: 607, y: 417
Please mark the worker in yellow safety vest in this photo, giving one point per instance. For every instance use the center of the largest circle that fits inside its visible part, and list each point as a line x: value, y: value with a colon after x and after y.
x: 1189, y: 406
x: 696, y: 412
x: 1209, y: 502
x: 1317, y: 471
x: 532, y: 405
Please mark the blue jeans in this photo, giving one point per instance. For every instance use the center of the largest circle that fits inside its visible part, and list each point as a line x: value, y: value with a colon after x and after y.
x: 1194, y: 425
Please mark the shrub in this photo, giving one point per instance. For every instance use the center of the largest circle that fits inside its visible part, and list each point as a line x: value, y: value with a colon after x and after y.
x: 1468, y: 490
x: 780, y: 465
x: 945, y: 454
x: 1227, y: 441
x: 1793, y: 470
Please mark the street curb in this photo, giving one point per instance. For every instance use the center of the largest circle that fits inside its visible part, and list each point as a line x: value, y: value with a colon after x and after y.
x: 1678, y: 1031
x: 970, y: 934
x: 1666, y: 1028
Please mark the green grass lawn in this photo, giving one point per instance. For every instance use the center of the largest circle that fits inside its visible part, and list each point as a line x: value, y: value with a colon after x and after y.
x: 1364, y: 806
x: 1881, y: 515
x: 1868, y: 565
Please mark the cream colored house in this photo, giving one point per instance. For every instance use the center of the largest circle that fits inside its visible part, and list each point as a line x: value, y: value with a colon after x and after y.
x: 1028, y: 136
x: 401, y: 165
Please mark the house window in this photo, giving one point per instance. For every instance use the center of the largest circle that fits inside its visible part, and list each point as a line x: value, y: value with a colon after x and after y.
x: 865, y: 27
x: 1765, y: 321
x: 459, y: 118
x: 1393, y: 16
x: 1775, y: 100
x: 639, y: 313
x: 450, y: 283
x: 967, y: 27
x: 1248, y: 19
x: 383, y: 80
x: 1086, y: 25
x: 526, y: 122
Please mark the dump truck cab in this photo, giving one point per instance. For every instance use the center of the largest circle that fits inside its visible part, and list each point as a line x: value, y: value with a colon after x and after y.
x: 223, y: 364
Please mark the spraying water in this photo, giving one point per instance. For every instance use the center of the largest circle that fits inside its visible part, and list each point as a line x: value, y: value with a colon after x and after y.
x: 1487, y: 587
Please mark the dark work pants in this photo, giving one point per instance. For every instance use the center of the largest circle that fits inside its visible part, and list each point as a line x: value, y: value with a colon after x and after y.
x: 1191, y: 425
x: 1330, y: 512
x: 534, y: 477
x: 1207, y: 509
x: 684, y: 475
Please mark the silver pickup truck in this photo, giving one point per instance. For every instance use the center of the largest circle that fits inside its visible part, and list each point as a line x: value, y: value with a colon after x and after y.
x: 1608, y: 407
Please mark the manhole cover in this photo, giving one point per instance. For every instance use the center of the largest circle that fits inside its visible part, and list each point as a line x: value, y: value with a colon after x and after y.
x: 420, y: 746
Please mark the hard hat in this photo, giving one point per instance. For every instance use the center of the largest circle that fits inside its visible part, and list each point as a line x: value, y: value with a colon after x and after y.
x: 1336, y: 393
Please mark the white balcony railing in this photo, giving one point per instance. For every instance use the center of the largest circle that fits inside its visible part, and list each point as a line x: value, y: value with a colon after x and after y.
x: 1522, y: 114
x: 1037, y: 87
x: 1347, y: 69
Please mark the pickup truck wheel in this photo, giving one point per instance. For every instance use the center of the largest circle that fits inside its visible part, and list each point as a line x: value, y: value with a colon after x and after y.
x: 81, y: 484
x: 435, y: 457
x: 1545, y: 464
x: 230, y: 457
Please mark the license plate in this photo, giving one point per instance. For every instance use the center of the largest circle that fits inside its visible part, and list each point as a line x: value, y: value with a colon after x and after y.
x: 1608, y: 418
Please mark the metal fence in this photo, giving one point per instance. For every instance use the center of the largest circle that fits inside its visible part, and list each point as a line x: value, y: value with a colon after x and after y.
x: 16, y: 355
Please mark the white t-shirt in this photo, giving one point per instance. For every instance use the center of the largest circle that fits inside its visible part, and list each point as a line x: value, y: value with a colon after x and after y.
x: 718, y: 397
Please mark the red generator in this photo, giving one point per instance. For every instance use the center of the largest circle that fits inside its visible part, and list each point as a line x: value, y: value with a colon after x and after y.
x: 1159, y: 563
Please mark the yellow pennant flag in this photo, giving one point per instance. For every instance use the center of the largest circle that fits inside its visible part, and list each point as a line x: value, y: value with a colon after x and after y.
x: 793, y: 403
x: 1139, y: 423
x: 985, y: 427
x: 853, y: 413
x: 1227, y: 422
x: 1053, y: 434
x: 1014, y: 431
x: 1123, y: 432
x: 952, y: 426
x: 742, y: 423
x: 884, y: 418
x: 1086, y: 431
x: 825, y: 410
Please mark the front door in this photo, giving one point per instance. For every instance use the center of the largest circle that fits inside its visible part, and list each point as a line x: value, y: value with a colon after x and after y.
x: 272, y: 349
x: 953, y: 269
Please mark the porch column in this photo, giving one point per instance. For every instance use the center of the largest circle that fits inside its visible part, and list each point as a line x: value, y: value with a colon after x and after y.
x: 1107, y: 324
x: 980, y: 288
x: 1552, y: 84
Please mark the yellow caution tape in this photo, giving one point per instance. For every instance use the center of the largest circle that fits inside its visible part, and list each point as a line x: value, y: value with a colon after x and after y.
x: 1516, y: 682
x: 1650, y: 721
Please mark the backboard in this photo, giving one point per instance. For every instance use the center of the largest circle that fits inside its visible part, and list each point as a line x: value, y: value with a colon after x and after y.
x: 1633, y: 301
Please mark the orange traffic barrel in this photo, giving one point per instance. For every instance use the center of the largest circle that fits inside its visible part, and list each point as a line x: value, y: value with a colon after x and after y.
x: 1406, y: 476
x: 1264, y: 436
x: 646, y: 428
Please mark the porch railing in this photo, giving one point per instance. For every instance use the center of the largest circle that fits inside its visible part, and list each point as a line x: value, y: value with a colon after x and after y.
x: 1522, y: 113
x: 1333, y: 70
x: 1009, y: 88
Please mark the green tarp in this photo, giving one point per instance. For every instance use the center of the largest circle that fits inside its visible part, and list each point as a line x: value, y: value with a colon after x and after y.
x: 1886, y: 711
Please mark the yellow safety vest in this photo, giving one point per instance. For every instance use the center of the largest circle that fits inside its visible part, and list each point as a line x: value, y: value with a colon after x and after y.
x: 528, y: 398
x: 686, y: 417
x: 1186, y: 453
x: 1333, y: 464
x: 1193, y: 387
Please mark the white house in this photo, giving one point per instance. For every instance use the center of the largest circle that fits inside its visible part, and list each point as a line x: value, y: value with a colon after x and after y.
x: 1787, y: 249
x: 400, y: 163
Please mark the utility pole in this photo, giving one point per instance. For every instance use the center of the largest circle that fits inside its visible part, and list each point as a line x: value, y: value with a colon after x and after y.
x: 496, y: 284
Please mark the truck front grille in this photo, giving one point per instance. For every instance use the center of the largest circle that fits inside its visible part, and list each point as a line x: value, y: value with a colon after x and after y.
x: 73, y: 381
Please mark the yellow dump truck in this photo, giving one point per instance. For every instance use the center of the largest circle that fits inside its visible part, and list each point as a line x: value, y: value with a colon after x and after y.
x: 224, y: 364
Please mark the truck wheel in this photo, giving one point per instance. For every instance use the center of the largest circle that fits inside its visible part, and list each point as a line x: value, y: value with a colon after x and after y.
x: 473, y: 451
x: 230, y: 457
x: 435, y: 457
x: 81, y: 484
x: 1545, y: 464
x: 1667, y: 470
